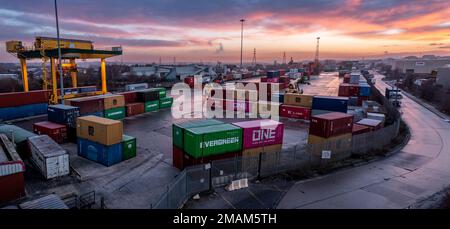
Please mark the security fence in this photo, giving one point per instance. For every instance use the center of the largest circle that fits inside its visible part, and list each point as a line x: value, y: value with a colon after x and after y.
x: 302, y: 157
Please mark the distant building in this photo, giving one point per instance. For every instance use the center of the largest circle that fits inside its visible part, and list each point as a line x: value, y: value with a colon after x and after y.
x: 170, y: 72
x: 443, y: 76
x: 420, y: 65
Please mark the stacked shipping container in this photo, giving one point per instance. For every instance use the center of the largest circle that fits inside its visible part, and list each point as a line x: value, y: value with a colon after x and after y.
x: 102, y: 140
x: 333, y: 131
x: 12, y: 171
x: 180, y: 158
x: 355, y: 87
x: 17, y: 105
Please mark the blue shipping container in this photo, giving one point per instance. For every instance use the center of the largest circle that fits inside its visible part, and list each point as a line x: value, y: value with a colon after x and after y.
x: 353, y: 101
x: 87, y: 89
x: 364, y: 90
x: 105, y: 155
x: 277, y: 97
x: 273, y: 74
x: 63, y: 114
x: 330, y: 103
x: 10, y: 113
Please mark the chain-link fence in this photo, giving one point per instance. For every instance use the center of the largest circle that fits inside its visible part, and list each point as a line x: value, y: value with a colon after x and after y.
x: 219, y: 173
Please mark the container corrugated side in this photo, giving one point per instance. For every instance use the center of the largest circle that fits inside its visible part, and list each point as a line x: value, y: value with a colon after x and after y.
x: 178, y: 129
x: 212, y: 140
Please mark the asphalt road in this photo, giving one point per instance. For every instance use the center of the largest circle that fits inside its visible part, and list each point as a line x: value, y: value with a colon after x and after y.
x: 419, y: 170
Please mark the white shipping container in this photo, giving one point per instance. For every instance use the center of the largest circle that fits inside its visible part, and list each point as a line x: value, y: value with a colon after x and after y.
x: 136, y: 86
x: 376, y: 116
x: 49, y: 157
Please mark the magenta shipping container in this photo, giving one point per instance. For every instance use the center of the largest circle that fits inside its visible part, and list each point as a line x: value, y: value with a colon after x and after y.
x: 260, y: 133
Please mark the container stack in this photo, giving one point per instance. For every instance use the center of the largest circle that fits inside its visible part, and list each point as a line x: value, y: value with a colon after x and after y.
x: 180, y: 158
x: 261, y: 136
x: 333, y: 131
x: 356, y: 88
x: 207, y: 143
x: 17, y: 105
x: 101, y: 140
x: 132, y: 105
x: 114, y: 106
x: 48, y: 157
x: 63, y: 115
x: 12, y: 171
x: 154, y: 99
x: 93, y: 105
x: 297, y: 106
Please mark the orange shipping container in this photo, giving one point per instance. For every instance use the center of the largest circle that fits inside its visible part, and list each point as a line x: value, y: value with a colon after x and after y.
x: 101, y: 130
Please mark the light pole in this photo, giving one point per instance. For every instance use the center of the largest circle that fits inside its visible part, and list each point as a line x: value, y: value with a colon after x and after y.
x: 242, y: 37
x: 61, y: 78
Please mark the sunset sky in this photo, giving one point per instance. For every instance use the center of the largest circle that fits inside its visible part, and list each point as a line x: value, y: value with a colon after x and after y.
x: 209, y: 30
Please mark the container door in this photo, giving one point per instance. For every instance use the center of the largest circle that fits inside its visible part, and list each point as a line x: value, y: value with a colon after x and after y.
x: 63, y: 162
x: 52, y: 167
x: 92, y: 153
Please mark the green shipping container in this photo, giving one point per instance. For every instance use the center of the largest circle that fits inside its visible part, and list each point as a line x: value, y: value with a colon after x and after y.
x: 212, y: 140
x: 178, y: 129
x: 129, y: 147
x: 115, y: 113
x: 151, y: 106
x: 165, y: 102
x: 162, y: 92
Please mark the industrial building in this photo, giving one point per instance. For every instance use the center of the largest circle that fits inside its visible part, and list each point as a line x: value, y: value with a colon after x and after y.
x: 424, y: 65
x: 443, y: 76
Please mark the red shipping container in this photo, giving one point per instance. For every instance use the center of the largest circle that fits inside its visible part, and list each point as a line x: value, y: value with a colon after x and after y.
x: 331, y: 124
x: 15, y: 99
x: 282, y: 72
x: 346, y: 78
x: 189, y: 81
x: 297, y: 112
x: 130, y: 96
x: 215, y: 103
x: 134, y: 108
x: 177, y: 158
x: 359, y: 129
x: 12, y: 185
x: 259, y: 133
x: 88, y: 105
x: 264, y: 79
x: 55, y: 131
x: 272, y: 80
x: 361, y: 99
x: 348, y: 90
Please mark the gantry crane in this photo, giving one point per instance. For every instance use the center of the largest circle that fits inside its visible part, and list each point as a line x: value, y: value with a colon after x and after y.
x: 46, y: 49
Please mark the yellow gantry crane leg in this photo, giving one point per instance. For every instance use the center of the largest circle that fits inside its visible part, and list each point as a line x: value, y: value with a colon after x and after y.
x: 103, y: 75
x: 54, y: 98
x: 44, y: 74
x: 23, y: 66
x: 73, y: 74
